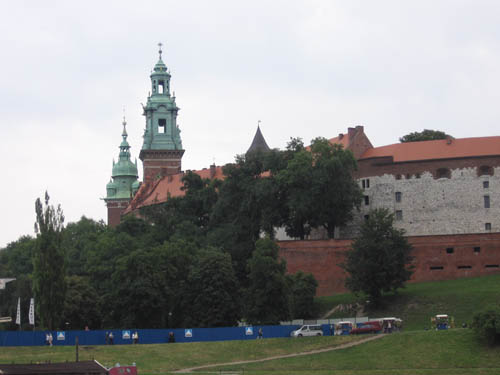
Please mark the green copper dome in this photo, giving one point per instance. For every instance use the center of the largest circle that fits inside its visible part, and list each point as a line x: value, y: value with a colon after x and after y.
x: 124, y: 167
x: 124, y: 175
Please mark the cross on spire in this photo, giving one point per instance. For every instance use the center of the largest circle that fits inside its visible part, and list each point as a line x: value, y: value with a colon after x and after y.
x: 159, y: 50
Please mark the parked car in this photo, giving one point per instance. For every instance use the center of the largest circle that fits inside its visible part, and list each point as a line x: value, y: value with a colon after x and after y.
x: 367, y: 327
x: 308, y: 330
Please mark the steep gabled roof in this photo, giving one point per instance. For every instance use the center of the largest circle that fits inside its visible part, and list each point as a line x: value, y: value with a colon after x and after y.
x: 169, y: 186
x: 437, y: 149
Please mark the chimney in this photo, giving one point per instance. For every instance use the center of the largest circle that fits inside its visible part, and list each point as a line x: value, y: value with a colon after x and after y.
x: 341, y: 136
x: 351, y: 132
x: 449, y: 140
x: 212, y: 171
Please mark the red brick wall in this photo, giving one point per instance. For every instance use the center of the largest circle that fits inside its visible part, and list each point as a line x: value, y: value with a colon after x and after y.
x: 115, y: 210
x: 321, y: 258
x: 160, y: 163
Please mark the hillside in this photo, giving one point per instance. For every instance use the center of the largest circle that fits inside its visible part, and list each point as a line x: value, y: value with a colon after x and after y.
x: 416, y: 303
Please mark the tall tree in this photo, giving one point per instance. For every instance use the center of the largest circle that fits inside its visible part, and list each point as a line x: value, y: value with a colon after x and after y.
x: 425, y: 135
x: 49, y: 263
x: 379, y: 259
x: 213, y: 298
x: 295, y: 185
x: 267, y: 300
x: 302, y: 291
x: 334, y: 191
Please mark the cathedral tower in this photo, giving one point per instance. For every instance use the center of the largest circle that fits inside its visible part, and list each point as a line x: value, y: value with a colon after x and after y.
x: 123, y: 184
x: 161, y: 151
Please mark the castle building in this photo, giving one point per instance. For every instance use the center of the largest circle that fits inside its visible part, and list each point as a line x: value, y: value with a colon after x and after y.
x: 445, y: 194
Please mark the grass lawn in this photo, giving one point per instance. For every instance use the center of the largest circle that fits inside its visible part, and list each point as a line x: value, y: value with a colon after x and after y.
x: 162, y: 358
x: 418, y: 352
x: 418, y: 302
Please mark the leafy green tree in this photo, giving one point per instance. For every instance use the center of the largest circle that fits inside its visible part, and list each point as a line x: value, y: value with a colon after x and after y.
x: 138, y: 298
x: 82, y: 304
x: 295, y: 185
x: 212, y: 291
x: 267, y: 300
x: 49, y: 270
x: 78, y: 240
x: 302, y: 292
x: 425, y: 135
x: 16, y: 257
x: 379, y: 259
x: 487, y: 326
x: 334, y: 191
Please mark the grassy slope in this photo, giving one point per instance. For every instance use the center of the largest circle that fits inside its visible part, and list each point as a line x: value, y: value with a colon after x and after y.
x: 160, y: 358
x: 418, y: 302
x: 418, y: 352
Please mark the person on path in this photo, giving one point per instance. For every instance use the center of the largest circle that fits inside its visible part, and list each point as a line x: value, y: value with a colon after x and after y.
x: 259, y: 334
x: 111, y: 338
x: 135, y: 337
x: 50, y: 339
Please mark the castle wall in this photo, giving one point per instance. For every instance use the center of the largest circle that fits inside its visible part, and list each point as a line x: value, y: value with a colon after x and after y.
x: 426, y: 205
x: 442, y: 257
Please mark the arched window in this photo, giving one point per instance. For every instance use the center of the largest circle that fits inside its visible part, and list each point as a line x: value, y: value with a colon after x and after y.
x: 443, y: 173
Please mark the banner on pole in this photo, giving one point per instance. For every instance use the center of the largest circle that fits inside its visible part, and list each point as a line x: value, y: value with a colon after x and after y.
x: 32, y: 311
x: 18, y: 315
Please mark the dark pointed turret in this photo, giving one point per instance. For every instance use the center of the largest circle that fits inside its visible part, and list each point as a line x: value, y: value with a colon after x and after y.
x: 258, y: 143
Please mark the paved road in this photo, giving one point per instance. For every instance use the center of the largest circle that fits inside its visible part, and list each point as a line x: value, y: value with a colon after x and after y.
x: 343, y: 346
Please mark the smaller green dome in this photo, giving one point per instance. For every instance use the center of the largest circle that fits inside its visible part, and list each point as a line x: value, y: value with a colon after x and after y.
x: 124, y: 168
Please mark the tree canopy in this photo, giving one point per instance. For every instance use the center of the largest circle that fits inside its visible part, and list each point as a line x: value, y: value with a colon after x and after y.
x: 379, y: 259
x: 425, y: 135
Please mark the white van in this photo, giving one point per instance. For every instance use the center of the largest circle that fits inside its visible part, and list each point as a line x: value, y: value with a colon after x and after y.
x: 308, y: 330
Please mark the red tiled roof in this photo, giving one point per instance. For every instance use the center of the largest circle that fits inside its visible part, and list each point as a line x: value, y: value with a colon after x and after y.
x: 438, y: 149
x: 168, y: 186
x: 342, y: 139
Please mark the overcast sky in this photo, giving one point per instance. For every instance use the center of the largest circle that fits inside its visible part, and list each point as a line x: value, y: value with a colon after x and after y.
x: 304, y: 68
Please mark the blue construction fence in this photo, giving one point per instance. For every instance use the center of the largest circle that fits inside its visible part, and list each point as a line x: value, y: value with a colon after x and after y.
x: 160, y: 336
x: 147, y: 336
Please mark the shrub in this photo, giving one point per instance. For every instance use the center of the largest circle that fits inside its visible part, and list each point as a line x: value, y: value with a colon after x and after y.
x: 487, y: 326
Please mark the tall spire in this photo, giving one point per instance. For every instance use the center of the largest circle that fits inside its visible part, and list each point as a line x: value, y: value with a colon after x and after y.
x: 124, y: 183
x: 258, y: 143
x: 161, y: 151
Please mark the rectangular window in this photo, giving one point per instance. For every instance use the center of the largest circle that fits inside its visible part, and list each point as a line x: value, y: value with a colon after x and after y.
x: 486, y: 201
x: 367, y: 183
x: 161, y: 87
x: 477, y: 249
x: 367, y: 200
x: 433, y: 268
x: 487, y: 226
x: 363, y: 184
x: 450, y: 250
x: 491, y: 266
x: 398, y: 196
x: 162, y: 126
x: 464, y: 267
x: 486, y: 184
x: 399, y: 215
